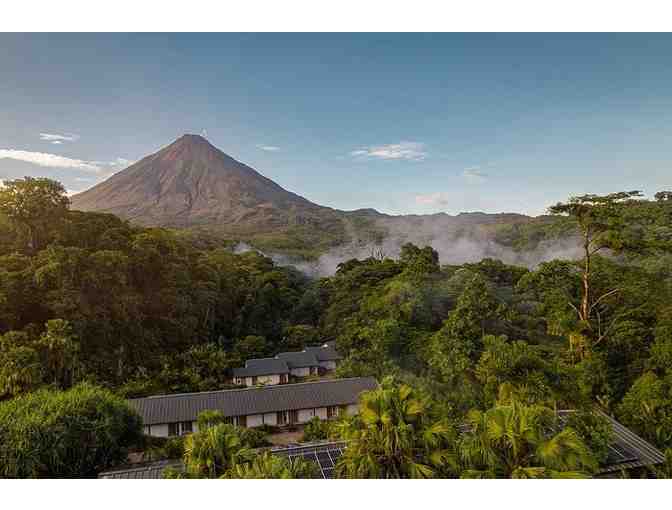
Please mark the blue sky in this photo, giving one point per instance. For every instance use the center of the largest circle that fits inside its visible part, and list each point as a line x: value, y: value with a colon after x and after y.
x: 404, y: 123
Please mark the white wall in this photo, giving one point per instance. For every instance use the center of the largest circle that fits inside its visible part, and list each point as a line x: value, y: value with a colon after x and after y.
x: 159, y: 430
x: 321, y: 413
x: 271, y: 419
x: 254, y: 420
x: 301, y: 372
x: 306, y: 415
x: 262, y: 380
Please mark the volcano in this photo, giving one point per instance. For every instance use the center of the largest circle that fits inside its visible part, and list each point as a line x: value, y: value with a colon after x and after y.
x: 190, y: 183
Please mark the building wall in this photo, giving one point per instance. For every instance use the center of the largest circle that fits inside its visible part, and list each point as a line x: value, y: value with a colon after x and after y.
x: 270, y: 419
x: 254, y: 420
x: 159, y: 430
x: 328, y: 365
x: 267, y: 380
x: 306, y: 415
x: 300, y: 372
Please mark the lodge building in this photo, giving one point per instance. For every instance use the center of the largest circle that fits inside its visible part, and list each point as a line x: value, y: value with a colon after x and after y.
x: 276, y: 405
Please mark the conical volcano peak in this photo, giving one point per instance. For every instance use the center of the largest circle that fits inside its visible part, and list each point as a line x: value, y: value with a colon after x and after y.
x: 189, y: 147
x: 192, y: 182
x: 192, y: 138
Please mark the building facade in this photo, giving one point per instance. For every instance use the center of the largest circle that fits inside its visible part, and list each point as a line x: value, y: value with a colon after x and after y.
x: 279, y: 405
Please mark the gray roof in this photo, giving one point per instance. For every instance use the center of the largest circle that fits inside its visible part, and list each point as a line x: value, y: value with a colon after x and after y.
x: 299, y: 359
x: 627, y: 451
x: 324, y: 352
x: 262, y: 366
x: 243, y: 402
x: 152, y: 470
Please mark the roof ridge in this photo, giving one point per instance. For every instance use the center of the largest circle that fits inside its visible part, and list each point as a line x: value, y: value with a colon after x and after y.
x: 262, y: 388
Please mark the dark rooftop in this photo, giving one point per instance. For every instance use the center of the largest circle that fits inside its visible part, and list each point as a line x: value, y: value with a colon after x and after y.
x: 324, y: 352
x: 262, y: 366
x: 299, y: 359
x: 248, y: 401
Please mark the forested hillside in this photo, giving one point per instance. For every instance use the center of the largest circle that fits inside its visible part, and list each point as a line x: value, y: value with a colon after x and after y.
x: 86, y: 297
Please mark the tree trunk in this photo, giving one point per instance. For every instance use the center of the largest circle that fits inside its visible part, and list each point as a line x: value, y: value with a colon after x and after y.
x: 584, y: 313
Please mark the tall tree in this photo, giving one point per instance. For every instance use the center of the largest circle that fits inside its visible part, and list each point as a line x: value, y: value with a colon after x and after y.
x: 600, y: 223
x: 34, y: 204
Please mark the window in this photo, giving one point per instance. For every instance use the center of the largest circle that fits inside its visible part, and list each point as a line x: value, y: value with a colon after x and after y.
x: 255, y: 380
x: 242, y: 421
x: 187, y: 427
x: 282, y: 417
x: 332, y: 412
x: 173, y: 429
x: 293, y: 416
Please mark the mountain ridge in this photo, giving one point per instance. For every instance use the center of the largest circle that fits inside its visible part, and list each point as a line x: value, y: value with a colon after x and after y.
x: 190, y: 183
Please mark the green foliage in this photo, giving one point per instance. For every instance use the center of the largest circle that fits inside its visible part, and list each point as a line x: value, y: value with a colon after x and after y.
x: 512, y: 440
x: 74, y: 433
x: 316, y: 430
x: 254, y: 437
x: 266, y: 465
x: 395, y: 435
x: 647, y: 408
x: 595, y: 430
x: 209, y: 418
x: 33, y: 204
x: 515, y: 363
x: 210, y: 452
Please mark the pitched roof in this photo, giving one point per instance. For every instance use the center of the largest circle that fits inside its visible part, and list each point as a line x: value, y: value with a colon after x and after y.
x: 243, y: 402
x: 262, y: 366
x: 627, y: 451
x: 324, y: 352
x: 152, y: 470
x: 299, y: 359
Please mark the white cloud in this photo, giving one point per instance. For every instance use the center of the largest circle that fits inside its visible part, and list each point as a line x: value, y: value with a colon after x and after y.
x: 58, y: 139
x: 50, y: 160
x: 269, y: 148
x: 410, y: 151
x: 474, y: 174
x: 437, y: 198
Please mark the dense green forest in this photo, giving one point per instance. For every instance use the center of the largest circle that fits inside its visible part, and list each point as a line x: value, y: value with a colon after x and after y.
x: 88, y: 300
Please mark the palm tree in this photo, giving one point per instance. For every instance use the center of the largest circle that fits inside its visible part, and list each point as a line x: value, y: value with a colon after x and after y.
x: 512, y: 440
x: 395, y: 436
x: 267, y: 465
x: 214, y: 450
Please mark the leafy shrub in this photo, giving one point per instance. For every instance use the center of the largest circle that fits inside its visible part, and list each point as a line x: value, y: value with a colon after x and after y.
x: 253, y: 437
x: 316, y: 430
x: 74, y: 433
x: 174, y: 447
x: 595, y: 430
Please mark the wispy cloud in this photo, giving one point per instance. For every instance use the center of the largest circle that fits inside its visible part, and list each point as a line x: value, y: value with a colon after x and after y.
x: 46, y: 159
x: 475, y: 174
x: 269, y: 148
x: 57, y: 139
x: 437, y: 198
x: 411, y: 151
